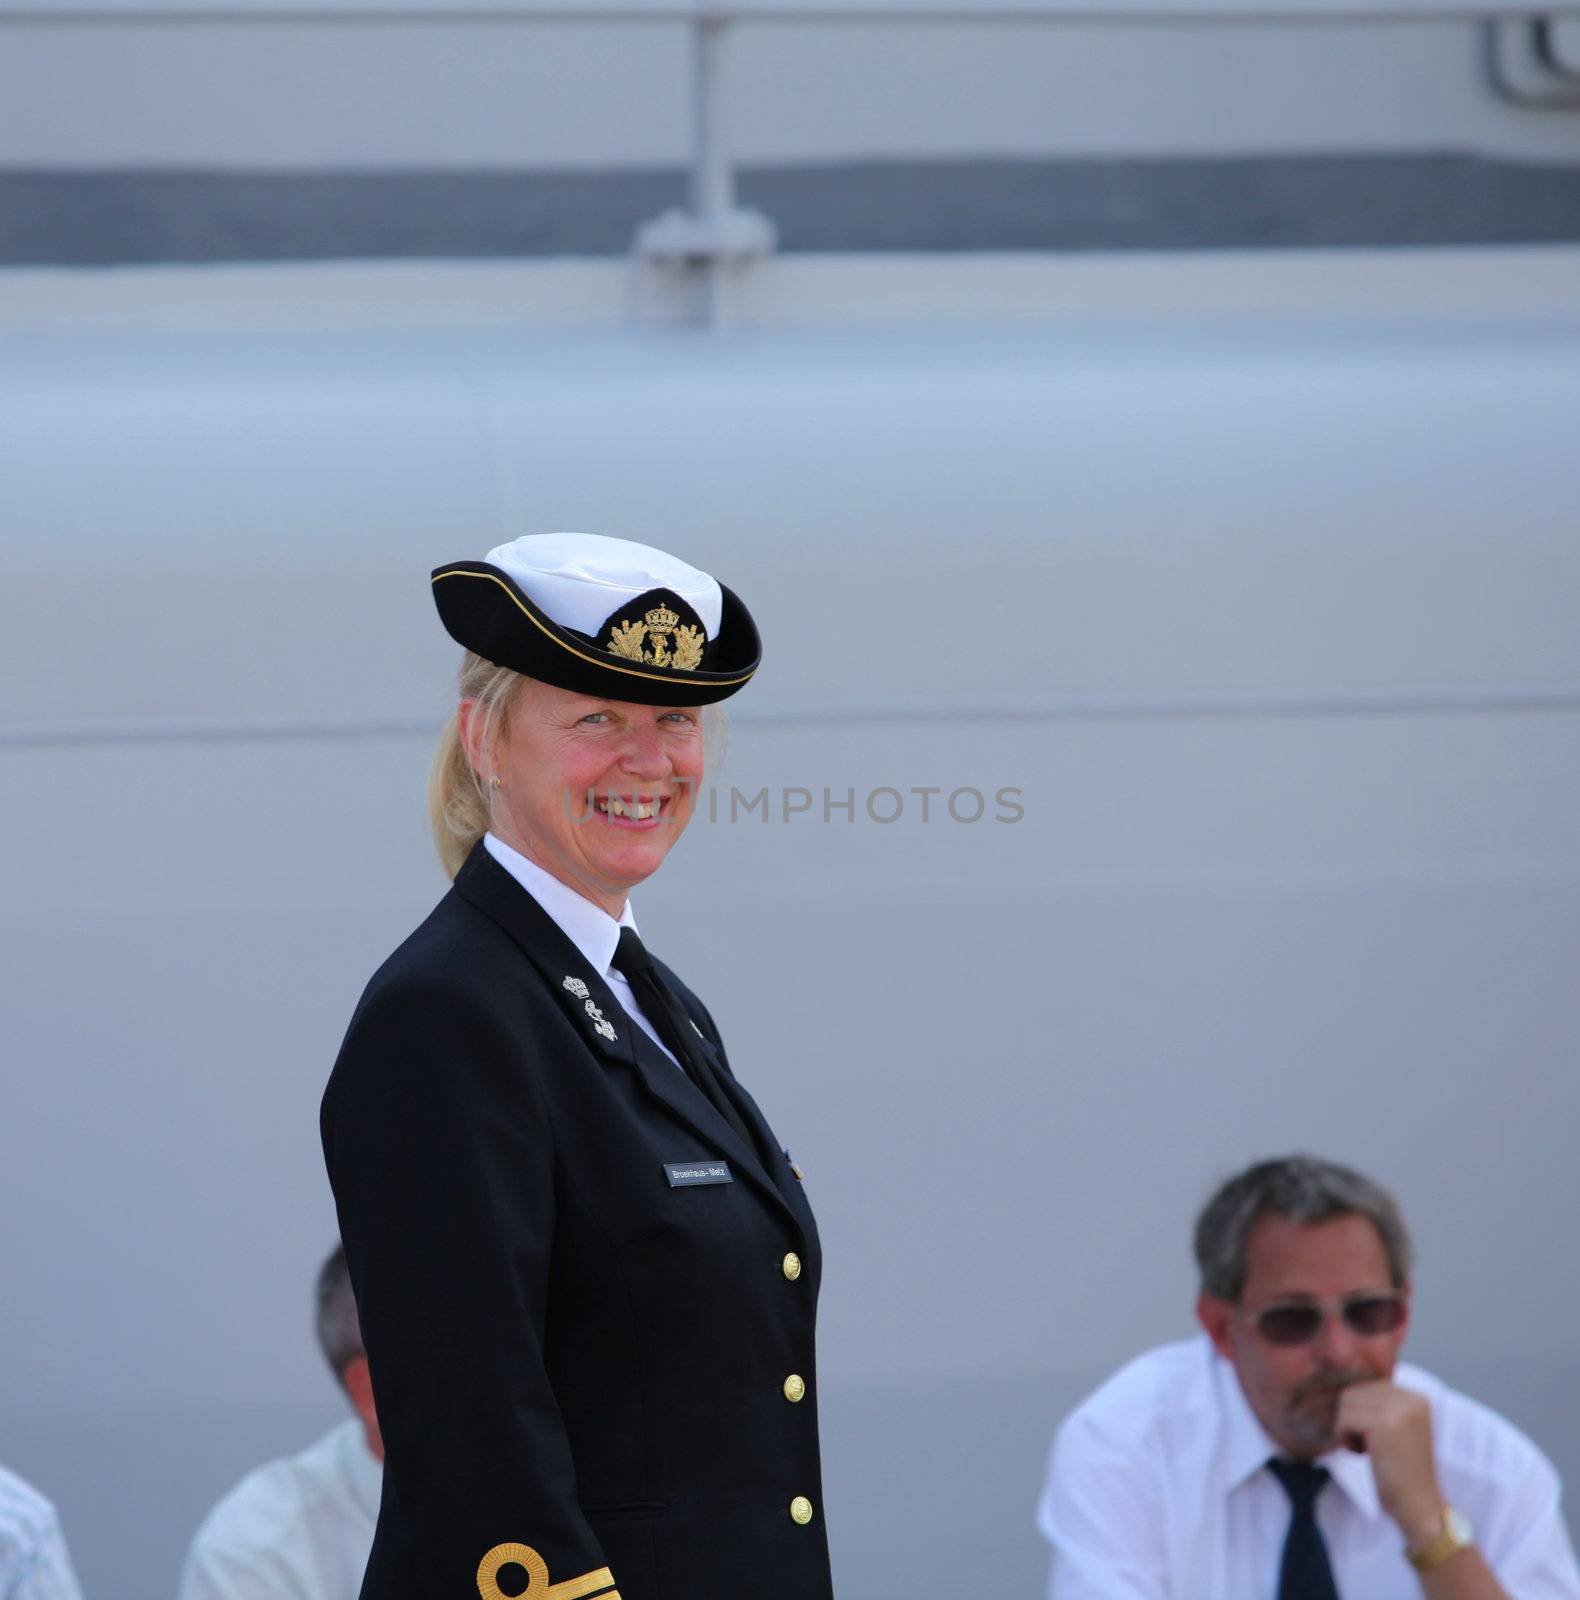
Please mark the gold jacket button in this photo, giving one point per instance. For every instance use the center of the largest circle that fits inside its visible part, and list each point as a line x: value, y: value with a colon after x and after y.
x: 801, y: 1510
x: 792, y: 1266
x: 795, y: 1387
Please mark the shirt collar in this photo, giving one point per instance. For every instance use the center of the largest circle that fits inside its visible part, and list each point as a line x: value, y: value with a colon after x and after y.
x: 1248, y: 1446
x: 589, y: 927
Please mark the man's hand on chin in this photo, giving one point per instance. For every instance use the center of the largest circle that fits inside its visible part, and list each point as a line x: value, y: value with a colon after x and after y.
x: 1393, y: 1426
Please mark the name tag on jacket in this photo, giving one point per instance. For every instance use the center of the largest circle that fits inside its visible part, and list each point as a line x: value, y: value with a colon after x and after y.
x: 686, y: 1174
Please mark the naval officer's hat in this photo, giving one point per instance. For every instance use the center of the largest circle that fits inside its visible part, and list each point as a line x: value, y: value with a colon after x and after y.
x: 601, y: 616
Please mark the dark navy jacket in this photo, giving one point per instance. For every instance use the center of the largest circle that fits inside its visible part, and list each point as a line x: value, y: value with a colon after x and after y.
x: 581, y: 1372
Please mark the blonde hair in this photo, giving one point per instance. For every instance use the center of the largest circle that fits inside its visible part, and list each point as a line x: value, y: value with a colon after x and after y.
x: 457, y: 792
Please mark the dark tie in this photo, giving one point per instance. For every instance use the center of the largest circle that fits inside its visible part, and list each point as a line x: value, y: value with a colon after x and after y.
x: 1304, y: 1573
x: 673, y: 1026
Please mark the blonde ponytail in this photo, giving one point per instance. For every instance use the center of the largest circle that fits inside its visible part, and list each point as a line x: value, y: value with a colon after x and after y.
x: 457, y: 792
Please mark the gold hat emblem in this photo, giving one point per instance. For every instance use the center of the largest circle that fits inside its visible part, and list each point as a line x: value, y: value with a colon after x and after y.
x: 658, y: 639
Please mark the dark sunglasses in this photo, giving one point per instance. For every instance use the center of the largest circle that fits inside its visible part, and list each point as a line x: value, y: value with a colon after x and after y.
x: 1300, y: 1321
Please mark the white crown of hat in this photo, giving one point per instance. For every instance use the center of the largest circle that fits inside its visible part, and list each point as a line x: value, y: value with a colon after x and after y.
x: 582, y: 579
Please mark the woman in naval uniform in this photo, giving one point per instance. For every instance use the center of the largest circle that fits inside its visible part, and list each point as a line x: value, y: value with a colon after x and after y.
x: 585, y: 1268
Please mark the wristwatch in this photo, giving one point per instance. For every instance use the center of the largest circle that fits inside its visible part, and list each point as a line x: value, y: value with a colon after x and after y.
x: 1455, y: 1534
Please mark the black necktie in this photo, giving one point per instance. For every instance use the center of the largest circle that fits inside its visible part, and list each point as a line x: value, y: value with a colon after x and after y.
x: 1304, y: 1573
x: 673, y: 1026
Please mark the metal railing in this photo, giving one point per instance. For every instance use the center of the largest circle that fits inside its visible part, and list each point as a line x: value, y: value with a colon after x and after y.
x: 824, y: 11
x: 701, y: 246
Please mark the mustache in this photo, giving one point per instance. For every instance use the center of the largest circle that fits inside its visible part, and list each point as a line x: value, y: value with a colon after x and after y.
x: 1330, y: 1381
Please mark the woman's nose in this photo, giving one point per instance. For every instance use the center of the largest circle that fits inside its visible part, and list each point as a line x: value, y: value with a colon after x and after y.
x: 643, y: 754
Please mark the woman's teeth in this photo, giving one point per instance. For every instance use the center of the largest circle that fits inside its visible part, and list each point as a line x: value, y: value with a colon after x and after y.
x: 637, y: 810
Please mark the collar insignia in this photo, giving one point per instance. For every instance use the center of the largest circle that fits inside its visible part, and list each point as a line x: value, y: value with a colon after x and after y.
x: 601, y: 1024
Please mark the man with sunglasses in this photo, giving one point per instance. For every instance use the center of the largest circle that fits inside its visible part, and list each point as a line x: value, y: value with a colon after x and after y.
x: 1285, y: 1454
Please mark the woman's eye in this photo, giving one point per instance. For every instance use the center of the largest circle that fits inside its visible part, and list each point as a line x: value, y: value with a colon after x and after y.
x: 684, y: 717
x: 596, y: 716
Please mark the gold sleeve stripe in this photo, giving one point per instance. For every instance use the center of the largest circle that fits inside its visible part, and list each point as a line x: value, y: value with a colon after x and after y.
x: 579, y: 1588
x: 537, y: 1570
x: 502, y: 1555
x: 607, y: 662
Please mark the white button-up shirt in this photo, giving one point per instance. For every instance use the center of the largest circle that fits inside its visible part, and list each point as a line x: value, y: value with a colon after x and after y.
x: 589, y: 927
x: 33, y: 1560
x: 1158, y: 1489
x: 296, y: 1529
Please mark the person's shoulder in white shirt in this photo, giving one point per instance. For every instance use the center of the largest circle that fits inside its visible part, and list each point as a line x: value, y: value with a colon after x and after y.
x: 296, y: 1529
x: 1159, y: 1393
x: 1480, y: 1448
x: 1106, y: 1502
x: 1500, y: 1478
x: 34, y: 1564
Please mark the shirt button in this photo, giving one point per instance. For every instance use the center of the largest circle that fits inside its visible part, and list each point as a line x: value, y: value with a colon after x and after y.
x: 791, y: 1266
x: 801, y: 1510
x: 795, y: 1387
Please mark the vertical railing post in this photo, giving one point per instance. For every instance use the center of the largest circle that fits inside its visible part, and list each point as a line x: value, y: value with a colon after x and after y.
x: 702, y: 250
x: 712, y: 173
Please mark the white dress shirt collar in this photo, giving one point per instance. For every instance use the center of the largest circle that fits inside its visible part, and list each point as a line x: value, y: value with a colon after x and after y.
x: 589, y: 927
x: 1248, y: 1446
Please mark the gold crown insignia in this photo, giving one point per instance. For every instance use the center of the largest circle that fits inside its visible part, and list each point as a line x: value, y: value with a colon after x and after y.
x: 658, y: 639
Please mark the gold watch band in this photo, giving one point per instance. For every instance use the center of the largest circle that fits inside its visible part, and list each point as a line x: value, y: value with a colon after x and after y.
x: 1454, y: 1536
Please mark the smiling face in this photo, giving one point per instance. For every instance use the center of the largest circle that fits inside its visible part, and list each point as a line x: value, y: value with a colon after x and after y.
x: 641, y: 766
x: 1294, y: 1389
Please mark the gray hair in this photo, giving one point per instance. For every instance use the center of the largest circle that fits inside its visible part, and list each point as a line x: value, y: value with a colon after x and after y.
x: 1304, y: 1189
x: 339, y: 1332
